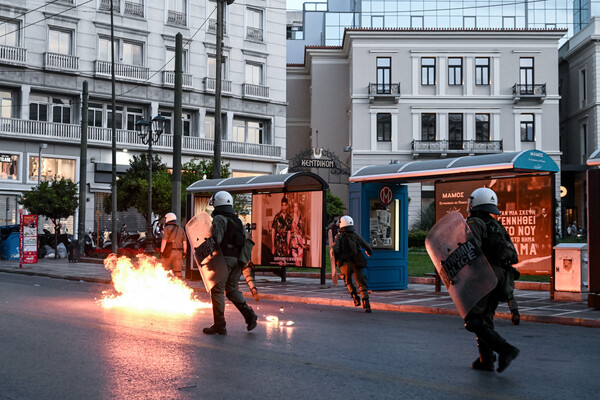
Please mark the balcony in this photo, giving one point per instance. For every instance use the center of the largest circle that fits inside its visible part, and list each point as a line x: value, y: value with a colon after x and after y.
x: 134, y: 8
x: 169, y: 79
x: 256, y: 91
x: 212, y: 26
x: 534, y: 92
x: 176, y: 17
x: 210, y: 83
x: 20, y: 129
x: 61, y: 62
x: 254, y: 33
x: 12, y: 55
x: 122, y: 71
x: 444, y: 147
x: 384, y: 91
x: 105, y: 5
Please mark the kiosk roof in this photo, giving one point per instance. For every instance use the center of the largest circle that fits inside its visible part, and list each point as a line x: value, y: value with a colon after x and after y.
x: 292, y: 182
x: 594, y: 159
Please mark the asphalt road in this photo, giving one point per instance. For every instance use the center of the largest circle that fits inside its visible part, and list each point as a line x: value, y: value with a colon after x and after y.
x: 56, y: 342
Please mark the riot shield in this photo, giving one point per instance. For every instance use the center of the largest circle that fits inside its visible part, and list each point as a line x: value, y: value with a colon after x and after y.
x: 460, y: 262
x: 206, y: 252
x: 334, y: 276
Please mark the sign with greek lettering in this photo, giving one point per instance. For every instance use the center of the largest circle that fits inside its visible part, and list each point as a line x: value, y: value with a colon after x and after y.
x: 316, y: 163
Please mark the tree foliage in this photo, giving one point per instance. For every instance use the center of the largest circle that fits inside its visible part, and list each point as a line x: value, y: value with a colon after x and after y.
x: 334, y: 207
x: 54, y: 200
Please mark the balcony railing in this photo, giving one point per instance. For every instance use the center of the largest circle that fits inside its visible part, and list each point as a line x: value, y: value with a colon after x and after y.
x: 12, y: 54
x: 456, y: 146
x: 521, y: 92
x: 210, y: 83
x: 102, y: 137
x: 384, y: 91
x: 61, y: 62
x: 105, y: 5
x: 176, y: 17
x: 256, y: 91
x: 169, y: 79
x: 254, y: 33
x: 212, y: 26
x: 122, y: 71
x: 134, y: 8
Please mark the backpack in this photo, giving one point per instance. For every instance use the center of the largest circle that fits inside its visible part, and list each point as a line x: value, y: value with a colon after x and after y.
x: 350, y: 247
x: 234, y: 238
x: 498, y: 249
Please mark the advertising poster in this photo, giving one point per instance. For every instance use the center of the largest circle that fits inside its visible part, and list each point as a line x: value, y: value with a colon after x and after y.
x: 526, y: 206
x: 382, y: 229
x: 29, y: 238
x: 288, y: 229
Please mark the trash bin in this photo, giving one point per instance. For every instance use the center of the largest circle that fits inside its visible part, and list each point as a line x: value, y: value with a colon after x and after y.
x: 73, y: 254
x: 570, y: 271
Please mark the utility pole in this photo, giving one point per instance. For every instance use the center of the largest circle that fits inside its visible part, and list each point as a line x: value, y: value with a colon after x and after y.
x: 115, y: 234
x: 177, y: 125
x: 83, y: 169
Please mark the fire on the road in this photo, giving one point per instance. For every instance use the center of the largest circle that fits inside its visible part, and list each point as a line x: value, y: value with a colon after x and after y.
x: 147, y: 287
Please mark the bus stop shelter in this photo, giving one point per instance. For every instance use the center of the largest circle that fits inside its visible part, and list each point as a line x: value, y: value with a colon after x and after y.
x: 593, y: 236
x: 303, y: 192
x: 524, y: 182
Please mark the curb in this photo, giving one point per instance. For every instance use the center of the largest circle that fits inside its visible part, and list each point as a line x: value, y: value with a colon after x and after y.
x: 55, y: 276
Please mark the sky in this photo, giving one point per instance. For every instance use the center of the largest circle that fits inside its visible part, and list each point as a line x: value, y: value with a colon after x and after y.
x: 297, y: 4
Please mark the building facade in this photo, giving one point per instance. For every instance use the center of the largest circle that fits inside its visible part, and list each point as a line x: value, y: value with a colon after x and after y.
x: 396, y: 95
x: 49, y: 48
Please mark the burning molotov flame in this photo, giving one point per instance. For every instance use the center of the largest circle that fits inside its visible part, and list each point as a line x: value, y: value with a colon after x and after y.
x: 273, y: 319
x: 147, y: 286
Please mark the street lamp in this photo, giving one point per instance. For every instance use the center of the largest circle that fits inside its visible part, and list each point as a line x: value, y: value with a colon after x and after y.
x: 42, y: 146
x: 149, y: 132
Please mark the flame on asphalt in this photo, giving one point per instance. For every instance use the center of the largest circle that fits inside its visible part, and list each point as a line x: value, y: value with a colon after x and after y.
x: 147, y: 286
x: 273, y: 319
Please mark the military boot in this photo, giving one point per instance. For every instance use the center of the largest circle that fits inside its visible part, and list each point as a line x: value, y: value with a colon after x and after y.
x: 218, y: 327
x: 486, y: 359
x: 356, y: 299
x: 506, y: 357
x: 366, y: 305
x: 249, y: 316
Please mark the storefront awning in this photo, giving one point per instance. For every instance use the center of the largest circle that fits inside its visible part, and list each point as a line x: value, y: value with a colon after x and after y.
x: 294, y: 182
x: 594, y: 159
x: 516, y: 163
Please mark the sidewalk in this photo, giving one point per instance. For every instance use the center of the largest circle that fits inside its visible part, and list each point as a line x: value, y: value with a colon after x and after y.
x: 420, y: 297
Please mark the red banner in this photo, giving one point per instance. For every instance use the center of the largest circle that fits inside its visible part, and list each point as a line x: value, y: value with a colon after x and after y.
x: 29, y: 239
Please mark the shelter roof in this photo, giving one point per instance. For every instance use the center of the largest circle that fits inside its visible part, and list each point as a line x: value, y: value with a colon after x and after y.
x: 594, y: 159
x: 292, y: 182
x: 514, y: 163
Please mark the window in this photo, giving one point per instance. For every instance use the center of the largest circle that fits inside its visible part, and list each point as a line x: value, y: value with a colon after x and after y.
x: 384, y: 74
x: 384, y: 127
x: 248, y: 131
x: 482, y: 127
x: 427, y: 71
x: 9, y: 33
x: 254, y: 73
x: 132, y: 54
x: 9, y: 167
x: 61, y: 110
x: 582, y: 87
x: 527, y: 128
x: 295, y: 33
x: 6, y: 104
x: 186, y: 120
x: 95, y: 115
x: 454, y: 71
x: 134, y: 114
x: 428, y: 126
x: 52, y: 168
x: 212, y: 66
x: 118, y: 119
x: 526, y: 75
x: 104, y: 49
x: 170, y: 61
x: 254, y: 24
x: 38, y: 108
x: 482, y: 71
x: 186, y: 124
x: 176, y: 13
x: 209, y: 126
x: 211, y: 10
x: 60, y: 41
x: 455, y: 131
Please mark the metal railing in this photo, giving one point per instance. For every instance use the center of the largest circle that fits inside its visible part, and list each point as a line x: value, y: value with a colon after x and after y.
x: 71, y: 133
x: 210, y: 83
x: 529, y: 92
x: 256, y: 90
x: 122, y: 71
x: 105, y: 5
x: 13, y: 54
x: 254, y: 33
x: 61, y: 61
x: 456, y: 146
x: 187, y: 80
x: 382, y: 89
x: 176, y: 17
x: 134, y: 8
x: 212, y: 26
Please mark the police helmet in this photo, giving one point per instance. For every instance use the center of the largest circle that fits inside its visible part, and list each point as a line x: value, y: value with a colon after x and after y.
x: 170, y: 217
x: 221, y: 198
x: 346, y: 221
x: 484, y: 199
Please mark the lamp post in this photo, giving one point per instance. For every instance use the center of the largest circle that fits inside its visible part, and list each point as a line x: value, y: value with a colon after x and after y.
x: 42, y: 146
x: 149, y: 132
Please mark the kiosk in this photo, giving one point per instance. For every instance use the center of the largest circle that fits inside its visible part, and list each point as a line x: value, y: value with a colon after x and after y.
x: 593, y: 236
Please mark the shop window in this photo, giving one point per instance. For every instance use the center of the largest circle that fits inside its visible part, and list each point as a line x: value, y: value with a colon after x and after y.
x: 9, y: 167
x: 52, y: 168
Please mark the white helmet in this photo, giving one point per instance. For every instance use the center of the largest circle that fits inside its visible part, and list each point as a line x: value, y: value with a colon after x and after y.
x: 346, y: 221
x: 170, y: 217
x: 484, y: 199
x: 221, y: 198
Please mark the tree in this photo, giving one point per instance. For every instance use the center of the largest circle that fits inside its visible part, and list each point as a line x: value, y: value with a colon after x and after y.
x: 54, y: 200
x: 334, y: 207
